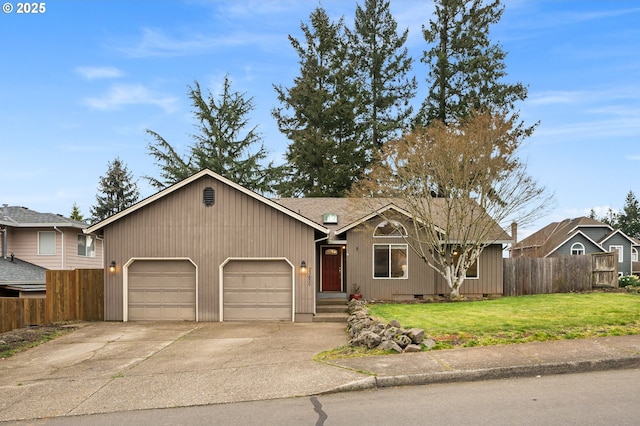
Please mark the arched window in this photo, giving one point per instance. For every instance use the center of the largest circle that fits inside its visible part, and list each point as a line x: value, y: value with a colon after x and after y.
x: 389, y: 228
x: 577, y: 249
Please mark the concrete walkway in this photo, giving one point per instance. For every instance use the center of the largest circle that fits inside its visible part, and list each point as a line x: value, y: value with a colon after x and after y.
x: 107, y: 367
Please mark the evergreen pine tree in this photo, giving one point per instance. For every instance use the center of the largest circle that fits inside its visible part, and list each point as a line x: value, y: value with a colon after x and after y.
x: 382, y: 65
x: 76, y: 214
x: 629, y: 218
x: 318, y: 114
x: 466, y: 68
x: 116, y: 191
x: 223, y: 143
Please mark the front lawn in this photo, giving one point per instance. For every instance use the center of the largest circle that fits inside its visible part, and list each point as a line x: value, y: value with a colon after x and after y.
x: 518, y: 319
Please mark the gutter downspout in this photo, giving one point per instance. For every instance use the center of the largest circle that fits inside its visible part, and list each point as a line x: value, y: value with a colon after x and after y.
x: 62, y: 245
x: 4, y: 242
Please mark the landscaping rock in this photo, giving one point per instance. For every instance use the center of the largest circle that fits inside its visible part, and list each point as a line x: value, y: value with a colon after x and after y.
x: 368, y: 332
x: 417, y: 335
x: 389, y: 345
x: 412, y: 348
x: 402, y: 340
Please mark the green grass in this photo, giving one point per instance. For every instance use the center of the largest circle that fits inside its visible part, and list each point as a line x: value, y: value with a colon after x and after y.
x: 518, y: 319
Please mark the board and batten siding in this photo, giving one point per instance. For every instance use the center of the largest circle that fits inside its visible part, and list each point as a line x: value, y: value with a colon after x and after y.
x: 420, y: 279
x: 489, y: 279
x: 179, y: 225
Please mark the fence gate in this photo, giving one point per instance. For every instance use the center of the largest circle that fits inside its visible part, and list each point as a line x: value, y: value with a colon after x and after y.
x: 604, y: 269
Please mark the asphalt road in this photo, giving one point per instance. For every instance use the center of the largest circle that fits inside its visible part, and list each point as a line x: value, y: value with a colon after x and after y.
x: 598, y: 398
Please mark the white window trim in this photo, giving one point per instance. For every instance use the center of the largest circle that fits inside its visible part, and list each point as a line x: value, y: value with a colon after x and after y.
x: 396, y: 224
x: 620, y: 250
x: 577, y: 246
x: 373, y: 262
x: 40, y: 253
x: 86, y: 237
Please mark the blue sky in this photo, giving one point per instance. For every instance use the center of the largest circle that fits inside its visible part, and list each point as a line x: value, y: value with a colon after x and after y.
x: 81, y: 82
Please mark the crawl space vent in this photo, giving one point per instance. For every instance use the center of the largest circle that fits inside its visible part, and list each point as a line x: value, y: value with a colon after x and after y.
x: 208, y: 197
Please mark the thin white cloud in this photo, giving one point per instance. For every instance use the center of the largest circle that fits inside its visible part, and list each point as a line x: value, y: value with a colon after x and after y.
x: 633, y: 157
x: 93, y: 73
x: 130, y: 94
x: 554, y: 98
x: 155, y: 43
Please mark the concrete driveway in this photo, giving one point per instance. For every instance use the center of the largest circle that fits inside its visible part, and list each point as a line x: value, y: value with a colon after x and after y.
x: 111, y: 366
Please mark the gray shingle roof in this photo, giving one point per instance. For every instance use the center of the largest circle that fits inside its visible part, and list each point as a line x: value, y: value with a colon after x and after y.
x: 24, y: 217
x: 350, y: 210
x: 20, y: 272
x: 547, y: 239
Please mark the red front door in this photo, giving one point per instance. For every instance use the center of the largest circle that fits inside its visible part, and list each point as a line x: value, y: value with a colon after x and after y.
x: 331, y: 268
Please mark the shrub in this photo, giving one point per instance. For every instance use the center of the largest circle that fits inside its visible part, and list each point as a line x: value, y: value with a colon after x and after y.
x: 629, y: 280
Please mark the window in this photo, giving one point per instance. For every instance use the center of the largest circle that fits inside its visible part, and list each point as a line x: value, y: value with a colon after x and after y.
x: 390, y: 261
x: 47, y: 243
x: 389, y: 229
x: 472, y: 272
x: 577, y: 249
x: 86, y: 245
x: 620, y: 250
x: 634, y: 254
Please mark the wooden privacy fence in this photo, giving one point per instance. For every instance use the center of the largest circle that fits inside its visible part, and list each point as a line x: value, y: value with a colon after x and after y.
x: 562, y: 274
x: 20, y: 312
x: 76, y: 295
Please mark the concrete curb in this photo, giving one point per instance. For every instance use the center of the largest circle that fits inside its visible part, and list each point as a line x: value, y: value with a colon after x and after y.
x: 489, y: 374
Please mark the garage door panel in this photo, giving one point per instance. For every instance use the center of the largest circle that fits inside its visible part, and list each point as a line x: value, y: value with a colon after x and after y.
x: 257, y: 290
x: 161, y: 290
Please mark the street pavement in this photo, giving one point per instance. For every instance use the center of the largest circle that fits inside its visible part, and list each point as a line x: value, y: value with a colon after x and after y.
x: 112, y: 366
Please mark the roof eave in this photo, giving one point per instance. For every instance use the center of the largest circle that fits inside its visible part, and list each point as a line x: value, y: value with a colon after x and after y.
x: 205, y: 172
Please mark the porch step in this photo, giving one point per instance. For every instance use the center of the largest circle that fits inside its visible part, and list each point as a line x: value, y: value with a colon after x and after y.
x: 331, y: 309
x: 330, y: 317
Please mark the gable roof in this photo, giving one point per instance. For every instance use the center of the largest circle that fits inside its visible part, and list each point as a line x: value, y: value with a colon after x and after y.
x: 205, y: 172
x: 352, y: 212
x: 618, y: 232
x: 548, y: 239
x: 22, y: 217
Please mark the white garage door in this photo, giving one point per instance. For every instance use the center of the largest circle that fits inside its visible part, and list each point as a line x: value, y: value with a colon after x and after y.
x: 162, y: 290
x: 257, y: 290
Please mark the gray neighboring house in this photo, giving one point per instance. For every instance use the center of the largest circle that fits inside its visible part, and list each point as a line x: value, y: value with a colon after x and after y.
x: 578, y: 236
x: 21, y: 279
x: 208, y: 249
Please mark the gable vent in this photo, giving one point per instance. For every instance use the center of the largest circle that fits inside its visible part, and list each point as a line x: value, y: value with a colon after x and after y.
x: 208, y: 196
x: 329, y: 218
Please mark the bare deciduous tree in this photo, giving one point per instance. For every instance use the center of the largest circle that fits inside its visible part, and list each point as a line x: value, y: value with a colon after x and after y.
x: 460, y: 183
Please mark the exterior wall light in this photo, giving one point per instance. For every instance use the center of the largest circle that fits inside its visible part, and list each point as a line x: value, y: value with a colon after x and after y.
x: 112, y: 266
x: 303, y: 267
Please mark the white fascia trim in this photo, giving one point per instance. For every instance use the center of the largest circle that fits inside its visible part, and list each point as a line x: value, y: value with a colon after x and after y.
x: 187, y: 181
x: 617, y: 231
x: 376, y: 213
x: 569, y: 238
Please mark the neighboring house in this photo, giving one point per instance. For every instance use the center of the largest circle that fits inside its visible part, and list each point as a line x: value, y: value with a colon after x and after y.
x: 581, y: 235
x: 635, y: 260
x: 48, y: 240
x: 21, y: 279
x: 208, y: 249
